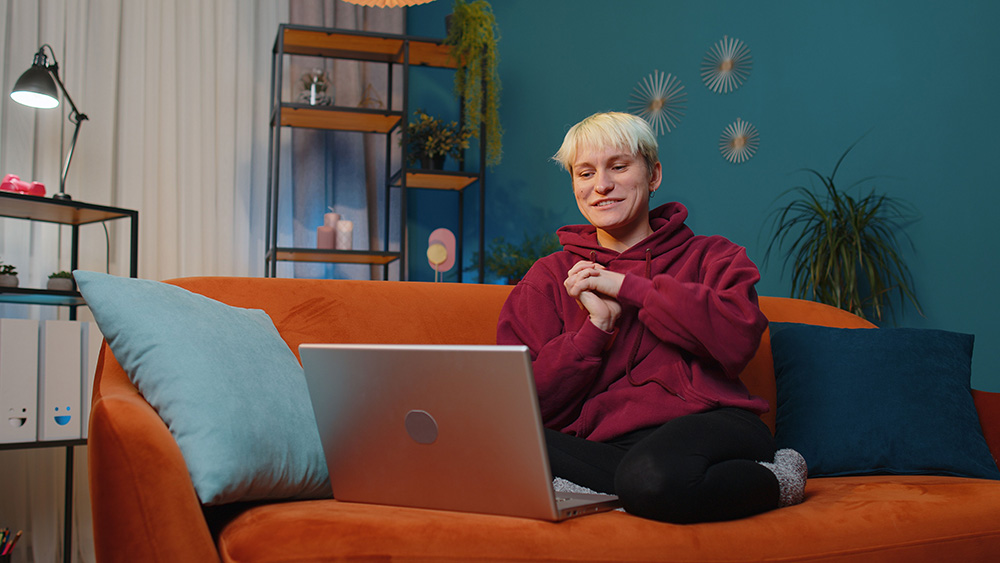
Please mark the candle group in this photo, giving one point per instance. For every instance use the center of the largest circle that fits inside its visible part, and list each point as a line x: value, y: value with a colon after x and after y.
x: 335, y: 233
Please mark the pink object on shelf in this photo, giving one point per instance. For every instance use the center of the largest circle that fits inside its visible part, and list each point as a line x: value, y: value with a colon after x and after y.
x: 13, y: 183
x: 330, y: 220
x: 446, y: 239
x: 325, y: 238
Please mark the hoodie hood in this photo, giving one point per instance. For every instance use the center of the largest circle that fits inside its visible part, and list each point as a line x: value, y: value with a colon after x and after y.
x: 669, y: 232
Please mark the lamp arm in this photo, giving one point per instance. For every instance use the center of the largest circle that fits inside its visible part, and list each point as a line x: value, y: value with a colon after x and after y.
x: 74, y: 116
x: 54, y: 71
x: 69, y: 155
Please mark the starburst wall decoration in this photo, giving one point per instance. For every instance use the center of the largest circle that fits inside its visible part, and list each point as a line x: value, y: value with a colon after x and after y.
x: 659, y: 99
x: 739, y: 141
x: 726, y: 65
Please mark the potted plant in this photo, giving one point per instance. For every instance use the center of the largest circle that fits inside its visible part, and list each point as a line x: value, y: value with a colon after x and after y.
x: 8, y: 275
x: 60, y: 281
x: 473, y: 36
x: 430, y: 140
x: 844, y: 249
x: 509, y: 262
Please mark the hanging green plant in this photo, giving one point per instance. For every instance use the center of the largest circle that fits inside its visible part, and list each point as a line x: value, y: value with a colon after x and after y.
x: 473, y: 38
x: 844, y: 250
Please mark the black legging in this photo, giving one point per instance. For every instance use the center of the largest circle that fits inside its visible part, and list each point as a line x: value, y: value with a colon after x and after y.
x: 697, y: 468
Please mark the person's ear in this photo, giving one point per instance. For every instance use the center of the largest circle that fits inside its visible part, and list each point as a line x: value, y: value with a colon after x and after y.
x: 655, y: 178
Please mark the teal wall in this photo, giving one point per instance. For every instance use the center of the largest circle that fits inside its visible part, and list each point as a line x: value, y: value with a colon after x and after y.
x: 916, y: 76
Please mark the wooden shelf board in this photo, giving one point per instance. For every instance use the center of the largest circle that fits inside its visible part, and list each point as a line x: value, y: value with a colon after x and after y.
x: 439, y: 180
x: 362, y: 47
x: 334, y: 256
x: 427, y: 53
x: 294, y: 115
x: 66, y: 212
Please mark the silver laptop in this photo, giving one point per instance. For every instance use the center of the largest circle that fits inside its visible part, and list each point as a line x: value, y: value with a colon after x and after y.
x: 442, y: 427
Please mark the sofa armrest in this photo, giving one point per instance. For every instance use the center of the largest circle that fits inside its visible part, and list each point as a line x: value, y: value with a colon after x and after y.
x: 143, y: 502
x: 988, y: 406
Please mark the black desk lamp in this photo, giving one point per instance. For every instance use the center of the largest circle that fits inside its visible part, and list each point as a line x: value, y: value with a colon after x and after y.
x: 37, y: 88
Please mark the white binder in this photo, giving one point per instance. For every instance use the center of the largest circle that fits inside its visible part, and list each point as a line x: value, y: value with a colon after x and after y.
x: 59, y: 386
x: 18, y: 380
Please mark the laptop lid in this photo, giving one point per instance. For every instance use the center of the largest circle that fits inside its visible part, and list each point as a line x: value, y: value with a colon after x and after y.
x: 453, y: 427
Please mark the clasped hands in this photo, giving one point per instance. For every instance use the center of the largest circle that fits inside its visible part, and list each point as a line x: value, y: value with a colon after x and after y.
x: 596, y: 288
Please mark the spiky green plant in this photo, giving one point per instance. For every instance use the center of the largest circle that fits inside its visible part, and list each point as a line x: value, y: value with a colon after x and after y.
x: 473, y: 38
x: 844, y: 250
x: 510, y: 262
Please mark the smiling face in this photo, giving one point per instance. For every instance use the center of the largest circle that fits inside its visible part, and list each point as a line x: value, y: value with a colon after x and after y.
x: 612, y: 190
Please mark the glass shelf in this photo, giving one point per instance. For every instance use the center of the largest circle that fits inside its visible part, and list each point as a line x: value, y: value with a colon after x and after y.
x: 31, y: 296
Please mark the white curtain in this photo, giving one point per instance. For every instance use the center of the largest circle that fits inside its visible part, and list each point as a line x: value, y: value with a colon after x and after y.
x: 177, y: 95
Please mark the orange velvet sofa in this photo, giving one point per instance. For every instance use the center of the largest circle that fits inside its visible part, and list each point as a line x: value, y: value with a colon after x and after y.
x: 145, y: 507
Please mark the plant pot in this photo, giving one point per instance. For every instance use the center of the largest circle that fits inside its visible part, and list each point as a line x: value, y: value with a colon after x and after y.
x: 7, y: 280
x: 432, y: 162
x: 60, y: 284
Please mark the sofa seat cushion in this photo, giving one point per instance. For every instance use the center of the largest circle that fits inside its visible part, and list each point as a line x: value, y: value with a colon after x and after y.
x: 905, y: 518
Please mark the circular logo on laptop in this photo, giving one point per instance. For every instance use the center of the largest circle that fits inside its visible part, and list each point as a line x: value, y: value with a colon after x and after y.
x: 421, y: 427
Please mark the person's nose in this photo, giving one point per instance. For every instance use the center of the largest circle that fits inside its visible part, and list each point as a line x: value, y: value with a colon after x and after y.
x: 604, y: 183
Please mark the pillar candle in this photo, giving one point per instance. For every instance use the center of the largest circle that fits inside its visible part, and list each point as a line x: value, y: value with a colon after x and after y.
x: 325, y: 237
x: 330, y: 220
x: 345, y: 235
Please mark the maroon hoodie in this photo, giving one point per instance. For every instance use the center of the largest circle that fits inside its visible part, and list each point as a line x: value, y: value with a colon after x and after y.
x: 689, y: 325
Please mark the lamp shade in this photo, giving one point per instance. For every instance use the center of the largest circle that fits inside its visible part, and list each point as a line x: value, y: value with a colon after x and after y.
x: 388, y: 3
x: 36, y: 88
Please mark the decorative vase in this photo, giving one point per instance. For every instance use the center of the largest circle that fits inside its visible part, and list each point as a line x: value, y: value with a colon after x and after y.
x: 59, y: 284
x: 8, y: 280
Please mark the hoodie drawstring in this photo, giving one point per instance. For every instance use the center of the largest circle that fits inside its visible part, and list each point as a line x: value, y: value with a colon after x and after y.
x: 642, y: 328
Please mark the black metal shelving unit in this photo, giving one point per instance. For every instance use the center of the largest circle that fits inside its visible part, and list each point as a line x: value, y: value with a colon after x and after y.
x: 392, y: 50
x: 74, y: 214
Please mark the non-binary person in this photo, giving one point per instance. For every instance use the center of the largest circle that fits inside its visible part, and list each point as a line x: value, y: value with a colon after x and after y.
x: 638, y: 330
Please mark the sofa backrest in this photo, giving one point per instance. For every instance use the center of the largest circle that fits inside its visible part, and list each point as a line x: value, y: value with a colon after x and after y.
x: 442, y: 313
x: 759, y: 373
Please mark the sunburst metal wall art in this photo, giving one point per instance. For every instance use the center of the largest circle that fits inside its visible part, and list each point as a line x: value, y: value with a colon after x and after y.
x: 739, y: 141
x: 726, y: 65
x: 659, y: 99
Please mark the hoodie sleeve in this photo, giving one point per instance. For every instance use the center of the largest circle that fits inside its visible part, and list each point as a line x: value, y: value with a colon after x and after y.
x: 565, y: 362
x: 716, y: 317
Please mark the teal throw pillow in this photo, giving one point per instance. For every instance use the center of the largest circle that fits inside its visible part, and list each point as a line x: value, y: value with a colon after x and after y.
x: 227, y: 386
x: 870, y: 401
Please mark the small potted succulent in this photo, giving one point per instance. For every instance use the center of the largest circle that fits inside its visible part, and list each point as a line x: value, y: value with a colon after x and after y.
x: 60, y: 281
x: 8, y: 275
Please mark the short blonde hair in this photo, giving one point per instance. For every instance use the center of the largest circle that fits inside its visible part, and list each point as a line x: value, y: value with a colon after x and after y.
x: 623, y: 131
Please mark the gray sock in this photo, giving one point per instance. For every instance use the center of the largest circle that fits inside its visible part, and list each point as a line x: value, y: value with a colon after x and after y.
x: 790, y: 468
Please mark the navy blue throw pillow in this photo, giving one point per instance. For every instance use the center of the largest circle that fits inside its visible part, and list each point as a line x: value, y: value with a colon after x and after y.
x: 871, y: 401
